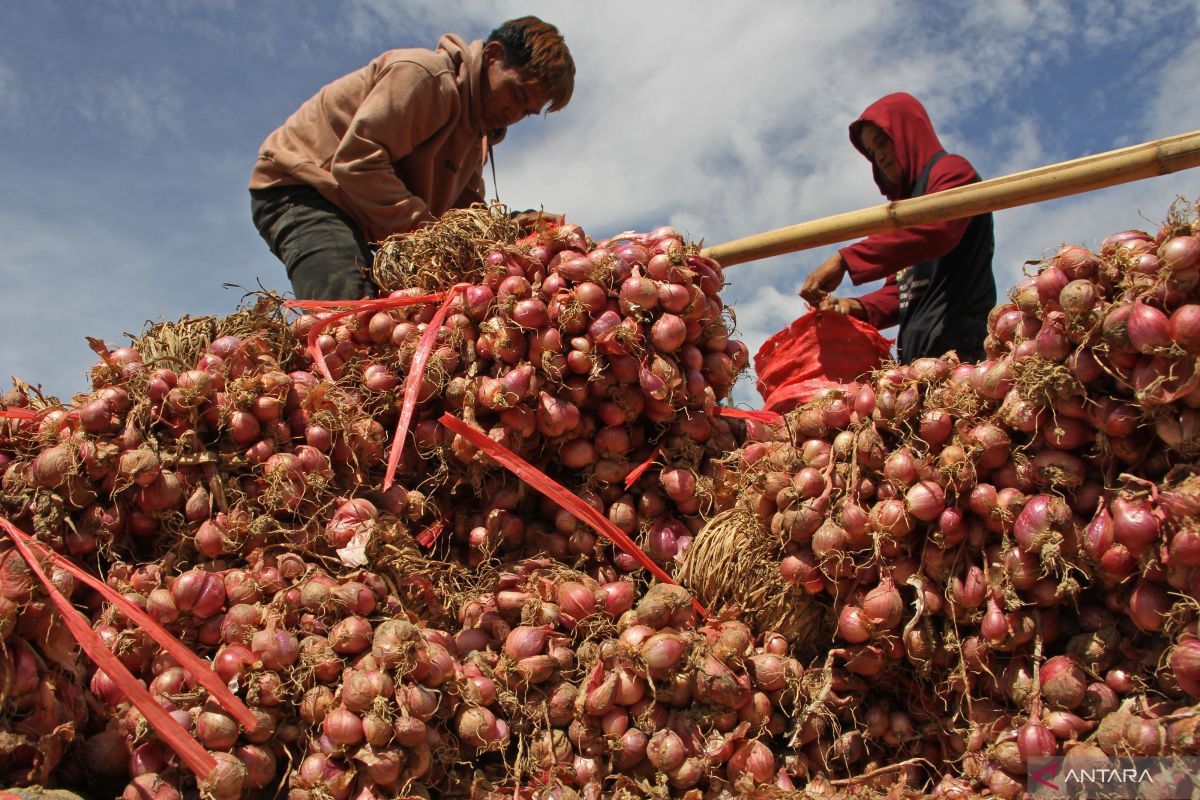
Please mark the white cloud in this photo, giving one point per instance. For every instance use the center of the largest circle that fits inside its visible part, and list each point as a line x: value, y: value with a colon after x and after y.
x: 1113, y: 21
x: 43, y: 333
x: 1014, y: 149
x: 1176, y: 107
x: 141, y: 108
x: 364, y: 20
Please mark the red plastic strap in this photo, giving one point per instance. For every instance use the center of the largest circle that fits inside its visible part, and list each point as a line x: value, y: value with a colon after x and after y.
x: 353, y: 307
x: 769, y: 417
x: 412, y: 384
x: 172, y: 733
x: 198, y: 667
x: 559, y: 494
x: 25, y: 414
x: 427, y: 537
x: 632, y: 477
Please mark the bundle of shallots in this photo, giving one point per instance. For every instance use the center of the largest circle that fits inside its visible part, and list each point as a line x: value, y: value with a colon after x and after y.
x: 1005, y: 548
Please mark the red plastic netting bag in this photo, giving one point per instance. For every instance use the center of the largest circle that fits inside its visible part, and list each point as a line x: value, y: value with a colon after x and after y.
x: 820, y: 349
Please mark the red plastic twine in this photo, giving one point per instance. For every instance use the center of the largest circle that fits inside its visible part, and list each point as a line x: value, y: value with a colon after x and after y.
x: 416, y: 370
x: 412, y: 384
x: 198, y: 667
x: 193, y: 754
x: 427, y: 537
x: 559, y: 494
x: 769, y: 417
x: 352, y: 307
x: 18, y: 413
x: 632, y: 477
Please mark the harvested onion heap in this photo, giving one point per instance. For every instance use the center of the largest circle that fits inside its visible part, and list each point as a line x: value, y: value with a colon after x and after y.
x: 1009, y: 549
x: 587, y: 361
x: 551, y: 680
x: 211, y: 452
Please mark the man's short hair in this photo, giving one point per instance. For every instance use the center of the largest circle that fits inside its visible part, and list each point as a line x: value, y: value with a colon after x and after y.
x: 538, y: 48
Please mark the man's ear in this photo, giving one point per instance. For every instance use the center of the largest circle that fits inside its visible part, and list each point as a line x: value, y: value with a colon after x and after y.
x: 493, y: 51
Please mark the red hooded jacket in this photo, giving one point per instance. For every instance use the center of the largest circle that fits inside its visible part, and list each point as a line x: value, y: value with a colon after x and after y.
x: 902, y: 117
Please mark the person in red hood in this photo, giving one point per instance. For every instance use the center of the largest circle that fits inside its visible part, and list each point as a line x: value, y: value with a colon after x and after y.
x: 938, y: 283
x: 395, y: 145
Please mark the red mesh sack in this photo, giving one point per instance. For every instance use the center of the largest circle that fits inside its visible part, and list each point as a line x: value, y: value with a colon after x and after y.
x: 820, y: 349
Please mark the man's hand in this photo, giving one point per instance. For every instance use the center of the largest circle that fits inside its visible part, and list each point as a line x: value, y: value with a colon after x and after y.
x: 844, y: 305
x: 824, y: 279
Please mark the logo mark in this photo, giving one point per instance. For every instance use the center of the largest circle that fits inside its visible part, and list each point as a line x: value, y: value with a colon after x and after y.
x: 1049, y: 771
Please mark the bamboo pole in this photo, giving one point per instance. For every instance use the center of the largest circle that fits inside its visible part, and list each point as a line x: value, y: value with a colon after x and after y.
x: 1147, y: 160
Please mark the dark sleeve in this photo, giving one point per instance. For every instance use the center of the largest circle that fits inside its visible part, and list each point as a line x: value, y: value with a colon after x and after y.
x: 886, y: 254
x: 883, y: 304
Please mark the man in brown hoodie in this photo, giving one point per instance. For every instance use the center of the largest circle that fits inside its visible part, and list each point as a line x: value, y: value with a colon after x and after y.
x: 395, y: 145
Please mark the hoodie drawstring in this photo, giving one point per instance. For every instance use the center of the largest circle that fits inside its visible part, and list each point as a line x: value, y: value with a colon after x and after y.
x: 492, y: 160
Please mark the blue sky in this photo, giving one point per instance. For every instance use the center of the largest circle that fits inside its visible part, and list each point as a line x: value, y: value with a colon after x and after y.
x: 129, y: 128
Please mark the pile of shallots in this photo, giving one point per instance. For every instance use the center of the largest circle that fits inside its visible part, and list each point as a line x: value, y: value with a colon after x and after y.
x: 587, y: 361
x: 227, y: 478
x: 1009, y: 549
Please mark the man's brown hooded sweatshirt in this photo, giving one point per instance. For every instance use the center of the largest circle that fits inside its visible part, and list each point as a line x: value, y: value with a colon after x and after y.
x: 939, y: 286
x: 396, y: 143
